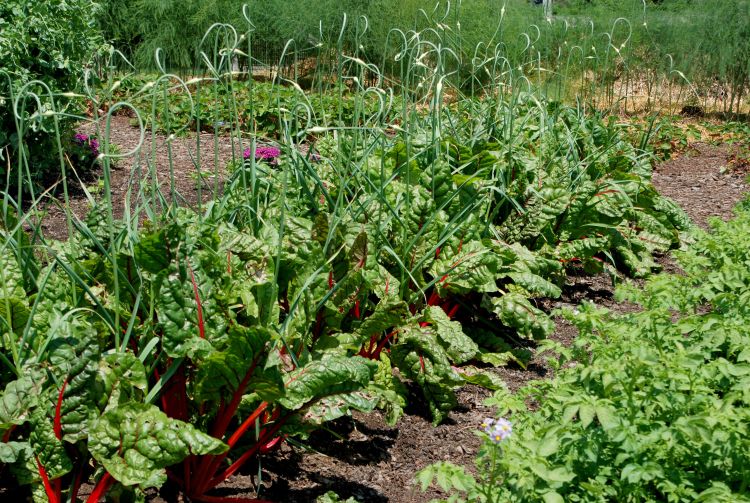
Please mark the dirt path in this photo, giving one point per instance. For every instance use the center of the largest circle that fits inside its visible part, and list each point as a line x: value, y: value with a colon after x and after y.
x: 365, y: 458
x: 704, y: 181
x: 130, y: 175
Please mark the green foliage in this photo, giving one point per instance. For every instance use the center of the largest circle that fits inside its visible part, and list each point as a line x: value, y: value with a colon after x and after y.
x: 404, y: 226
x: 679, y: 51
x: 253, y: 107
x: 136, y: 442
x: 50, y: 42
x: 396, y: 236
x: 655, y: 407
x: 82, y: 387
x: 332, y: 497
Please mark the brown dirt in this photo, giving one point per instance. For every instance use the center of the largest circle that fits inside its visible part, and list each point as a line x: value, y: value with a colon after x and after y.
x: 704, y: 182
x: 363, y: 457
x: 131, y: 174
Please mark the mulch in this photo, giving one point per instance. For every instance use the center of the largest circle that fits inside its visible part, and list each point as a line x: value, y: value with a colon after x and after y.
x: 705, y: 181
x: 171, y: 158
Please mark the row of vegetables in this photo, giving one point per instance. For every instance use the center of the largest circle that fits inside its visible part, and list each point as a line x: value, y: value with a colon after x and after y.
x: 315, y: 285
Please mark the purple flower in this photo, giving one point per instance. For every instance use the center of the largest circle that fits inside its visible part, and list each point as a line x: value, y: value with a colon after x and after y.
x: 497, y: 429
x: 94, y: 147
x: 263, y: 153
x: 267, y: 153
x: 91, y: 142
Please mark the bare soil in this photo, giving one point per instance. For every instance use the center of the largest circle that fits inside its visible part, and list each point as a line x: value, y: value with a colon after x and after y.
x: 361, y: 456
x: 706, y: 182
x: 172, y: 158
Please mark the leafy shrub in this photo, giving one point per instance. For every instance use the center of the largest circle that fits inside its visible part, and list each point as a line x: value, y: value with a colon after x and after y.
x: 656, y: 406
x: 47, y: 41
x: 675, y: 51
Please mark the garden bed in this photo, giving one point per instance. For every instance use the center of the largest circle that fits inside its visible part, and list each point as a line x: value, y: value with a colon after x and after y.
x: 361, y: 456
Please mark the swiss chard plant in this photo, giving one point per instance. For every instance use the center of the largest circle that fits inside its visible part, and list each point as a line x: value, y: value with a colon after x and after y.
x: 232, y: 362
x: 70, y: 386
x: 203, y: 372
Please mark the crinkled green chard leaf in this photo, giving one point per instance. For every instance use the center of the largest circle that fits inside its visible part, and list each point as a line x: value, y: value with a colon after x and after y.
x: 637, y: 260
x: 541, y: 208
x: 425, y: 246
x: 386, y: 315
x: 384, y: 285
x: 357, y: 255
x: 458, y: 346
x: 152, y: 253
x: 177, y: 310
x: 653, y: 234
x: 670, y: 211
x: 47, y: 448
x: 13, y: 304
x: 223, y: 372
x: 297, y: 249
x: 533, y: 285
x: 517, y: 258
x: 14, y: 314
x: 482, y: 377
x: 52, y: 301
x: 578, y: 212
x: 252, y: 276
x: 135, y: 442
x: 473, y: 268
x: 120, y: 377
x: 11, y: 452
x: 11, y: 277
x: 438, y: 180
x: 348, y: 291
x: 334, y: 407
x: 389, y: 389
x: 331, y: 375
x: 24, y: 466
x: 515, y: 311
x: 97, y: 227
x: 332, y: 497
x: 583, y: 248
x: 421, y: 209
x: 420, y: 357
x: 297, y: 232
x: 75, y: 356
x: 19, y: 397
x: 610, y: 202
x: 320, y: 228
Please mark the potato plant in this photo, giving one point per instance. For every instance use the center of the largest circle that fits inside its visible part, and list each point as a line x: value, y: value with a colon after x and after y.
x: 655, y: 407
